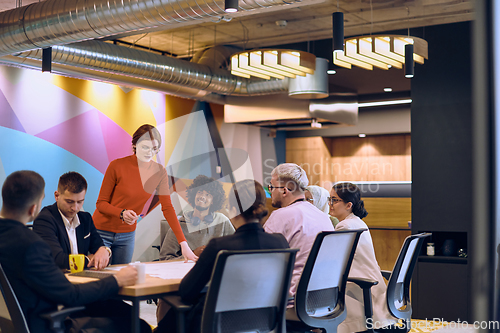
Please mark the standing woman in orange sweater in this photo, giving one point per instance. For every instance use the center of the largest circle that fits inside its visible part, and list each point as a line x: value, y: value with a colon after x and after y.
x: 128, y: 183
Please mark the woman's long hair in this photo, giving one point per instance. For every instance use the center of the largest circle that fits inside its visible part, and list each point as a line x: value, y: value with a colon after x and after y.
x: 349, y: 192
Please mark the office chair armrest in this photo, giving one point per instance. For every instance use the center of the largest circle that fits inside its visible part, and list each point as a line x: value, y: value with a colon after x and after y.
x: 176, y: 302
x: 180, y: 309
x: 363, y: 283
x: 366, y: 285
x: 56, y: 318
x: 386, y: 274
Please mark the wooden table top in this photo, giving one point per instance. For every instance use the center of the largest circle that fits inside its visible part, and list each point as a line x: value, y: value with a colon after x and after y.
x: 152, y: 286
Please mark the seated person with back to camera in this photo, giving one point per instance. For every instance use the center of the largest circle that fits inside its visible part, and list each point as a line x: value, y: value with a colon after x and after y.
x: 38, y: 283
x: 249, y: 235
x: 200, y: 225
x: 67, y: 229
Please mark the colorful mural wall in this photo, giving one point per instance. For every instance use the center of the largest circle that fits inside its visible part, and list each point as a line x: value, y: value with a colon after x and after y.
x: 53, y: 124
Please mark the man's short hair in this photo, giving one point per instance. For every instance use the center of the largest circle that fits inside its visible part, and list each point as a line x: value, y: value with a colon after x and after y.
x: 72, y: 182
x: 21, y: 189
x: 204, y: 183
x: 291, y: 173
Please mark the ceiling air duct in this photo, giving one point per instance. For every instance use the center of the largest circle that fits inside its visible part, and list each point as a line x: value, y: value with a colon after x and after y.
x: 311, y: 86
x: 279, y: 111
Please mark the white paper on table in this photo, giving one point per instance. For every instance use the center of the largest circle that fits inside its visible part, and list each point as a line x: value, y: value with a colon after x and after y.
x: 169, y: 270
x: 166, y: 269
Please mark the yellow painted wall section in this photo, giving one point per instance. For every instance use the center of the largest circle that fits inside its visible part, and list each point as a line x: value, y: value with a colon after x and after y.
x: 124, y: 107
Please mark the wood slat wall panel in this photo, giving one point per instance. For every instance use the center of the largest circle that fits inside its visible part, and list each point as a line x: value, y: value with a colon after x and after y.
x: 387, y: 244
x: 328, y: 160
x: 388, y: 212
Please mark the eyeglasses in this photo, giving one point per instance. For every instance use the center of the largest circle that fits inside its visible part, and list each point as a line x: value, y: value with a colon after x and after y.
x: 333, y: 201
x: 147, y: 149
x: 271, y: 187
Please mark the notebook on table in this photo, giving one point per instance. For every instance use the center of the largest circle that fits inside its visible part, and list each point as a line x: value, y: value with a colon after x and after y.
x: 93, y: 274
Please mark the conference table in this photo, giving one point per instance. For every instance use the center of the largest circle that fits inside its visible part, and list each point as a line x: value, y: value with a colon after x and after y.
x: 161, y: 278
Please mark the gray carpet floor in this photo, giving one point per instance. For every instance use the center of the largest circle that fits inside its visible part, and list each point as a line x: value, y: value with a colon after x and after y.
x: 148, y: 313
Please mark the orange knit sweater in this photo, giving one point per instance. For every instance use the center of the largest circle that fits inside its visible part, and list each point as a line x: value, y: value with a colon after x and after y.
x: 122, y: 188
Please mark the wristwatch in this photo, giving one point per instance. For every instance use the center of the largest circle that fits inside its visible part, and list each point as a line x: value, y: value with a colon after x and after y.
x: 121, y: 214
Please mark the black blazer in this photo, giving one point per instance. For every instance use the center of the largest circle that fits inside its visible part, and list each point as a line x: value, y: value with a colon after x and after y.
x: 37, y: 281
x: 250, y: 236
x: 50, y: 226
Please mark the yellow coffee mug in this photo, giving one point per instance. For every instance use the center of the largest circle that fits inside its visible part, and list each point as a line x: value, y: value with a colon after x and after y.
x: 76, y: 262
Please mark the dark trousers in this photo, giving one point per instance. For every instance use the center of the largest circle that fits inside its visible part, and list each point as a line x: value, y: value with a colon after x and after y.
x: 192, y: 319
x: 106, y: 316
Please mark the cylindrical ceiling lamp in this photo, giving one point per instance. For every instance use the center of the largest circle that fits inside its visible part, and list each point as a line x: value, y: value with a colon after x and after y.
x: 47, y: 59
x: 409, y: 66
x: 338, y: 32
x: 230, y: 6
x: 311, y: 86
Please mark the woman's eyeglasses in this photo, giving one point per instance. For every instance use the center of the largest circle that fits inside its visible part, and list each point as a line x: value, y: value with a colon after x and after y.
x: 333, y: 201
x: 147, y: 149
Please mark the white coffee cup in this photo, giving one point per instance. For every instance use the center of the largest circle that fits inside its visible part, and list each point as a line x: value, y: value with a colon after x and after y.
x: 141, y: 271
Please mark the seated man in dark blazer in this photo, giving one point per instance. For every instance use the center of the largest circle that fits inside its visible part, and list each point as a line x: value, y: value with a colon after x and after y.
x: 40, y: 286
x: 68, y: 230
x: 249, y: 235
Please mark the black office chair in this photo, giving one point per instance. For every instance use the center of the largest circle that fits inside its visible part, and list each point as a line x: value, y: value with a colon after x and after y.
x: 248, y: 292
x: 320, y: 296
x: 12, y: 318
x: 398, y: 287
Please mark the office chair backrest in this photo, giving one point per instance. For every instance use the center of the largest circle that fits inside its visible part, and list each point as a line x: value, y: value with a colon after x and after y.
x: 320, y: 295
x: 11, y: 315
x: 248, y: 291
x: 398, y: 287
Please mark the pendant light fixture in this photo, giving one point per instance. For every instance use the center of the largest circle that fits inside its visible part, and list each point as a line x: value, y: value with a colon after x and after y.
x: 382, y: 51
x: 230, y: 6
x: 338, y: 32
x: 409, y: 66
x: 47, y: 59
x: 276, y: 63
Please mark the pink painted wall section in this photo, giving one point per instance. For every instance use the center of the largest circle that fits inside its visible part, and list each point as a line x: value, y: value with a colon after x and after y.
x: 81, y: 136
x: 117, y: 141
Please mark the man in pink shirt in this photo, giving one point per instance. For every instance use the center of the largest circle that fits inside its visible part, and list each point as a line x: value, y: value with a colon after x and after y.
x: 296, y: 219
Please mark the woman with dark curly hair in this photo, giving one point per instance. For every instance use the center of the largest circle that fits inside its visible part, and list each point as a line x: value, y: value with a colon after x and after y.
x: 206, y: 196
x: 346, y: 205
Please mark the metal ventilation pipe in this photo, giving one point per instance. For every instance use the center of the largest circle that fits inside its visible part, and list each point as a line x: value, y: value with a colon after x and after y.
x: 127, y: 62
x: 118, y: 79
x: 218, y: 56
x: 57, y: 22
